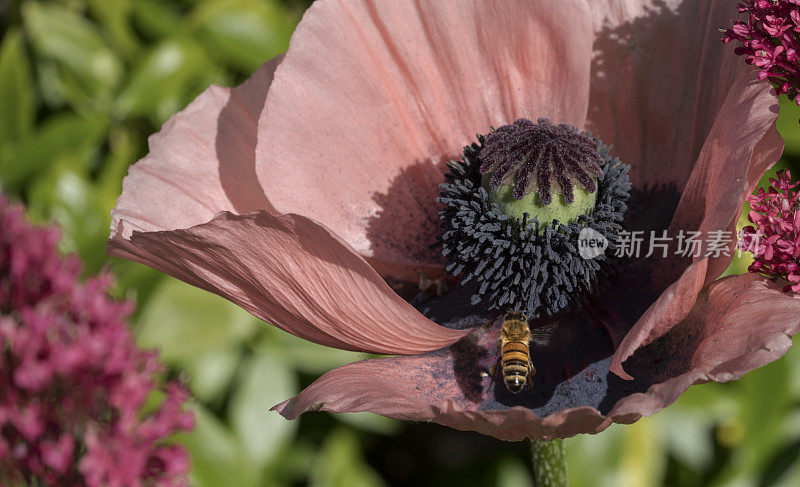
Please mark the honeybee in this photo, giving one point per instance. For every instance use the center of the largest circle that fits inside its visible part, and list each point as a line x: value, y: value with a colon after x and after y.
x: 515, y: 356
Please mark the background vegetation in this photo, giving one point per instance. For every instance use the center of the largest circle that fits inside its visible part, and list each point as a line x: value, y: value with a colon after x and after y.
x: 82, y: 85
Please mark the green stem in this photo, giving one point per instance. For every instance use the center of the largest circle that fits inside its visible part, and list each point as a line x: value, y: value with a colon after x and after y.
x: 549, y: 465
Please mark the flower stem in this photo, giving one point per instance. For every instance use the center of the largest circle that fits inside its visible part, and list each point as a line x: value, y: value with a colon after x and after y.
x: 549, y: 465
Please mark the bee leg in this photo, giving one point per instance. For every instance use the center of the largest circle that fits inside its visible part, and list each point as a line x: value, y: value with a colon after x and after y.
x: 531, y: 373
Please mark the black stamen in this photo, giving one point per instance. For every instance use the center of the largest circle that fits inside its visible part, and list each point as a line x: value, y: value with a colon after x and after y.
x: 515, y: 263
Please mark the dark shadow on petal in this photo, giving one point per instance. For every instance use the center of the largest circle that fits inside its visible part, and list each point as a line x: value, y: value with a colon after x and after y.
x: 469, y: 359
x: 237, y: 138
x: 622, y: 300
x: 407, y: 222
x: 652, y: 208
x: 630, y: 84
x: 454, y: 309
x: 668, y: 356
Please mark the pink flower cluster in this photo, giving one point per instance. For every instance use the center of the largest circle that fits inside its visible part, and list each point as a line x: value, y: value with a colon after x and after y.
x: 770, y: 40
x: 72, y: 382
x: 775, y: 238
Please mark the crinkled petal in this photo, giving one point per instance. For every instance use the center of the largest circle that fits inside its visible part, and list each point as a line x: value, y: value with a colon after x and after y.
x: 691, y: 119
x: 712, y: 201
x: 292, y: 272
x: 738, y: 324
x: 201, y: 162
x: 373, y: 96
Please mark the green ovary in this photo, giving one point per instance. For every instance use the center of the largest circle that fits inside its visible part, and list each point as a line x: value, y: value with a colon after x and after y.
x: 558, y: 209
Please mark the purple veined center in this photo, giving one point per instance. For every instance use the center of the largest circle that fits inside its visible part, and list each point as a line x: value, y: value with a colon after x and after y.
x: 534, y: 156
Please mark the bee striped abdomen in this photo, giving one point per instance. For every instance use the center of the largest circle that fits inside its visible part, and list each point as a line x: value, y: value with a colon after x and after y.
x: 515, y: 365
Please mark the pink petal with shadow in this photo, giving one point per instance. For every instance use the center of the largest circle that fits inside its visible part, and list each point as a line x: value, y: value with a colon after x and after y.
x: 692, y: 121
x: 738, y: 324
x: 203, y: 162
x: 373, y: 96
x: 292, y: 272
x: 676, y: 301
x: 200, y: 163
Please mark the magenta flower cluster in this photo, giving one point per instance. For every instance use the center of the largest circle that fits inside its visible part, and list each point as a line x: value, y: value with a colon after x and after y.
x: 775, y: 238
x: 770, y: 39
x: 72, y: 382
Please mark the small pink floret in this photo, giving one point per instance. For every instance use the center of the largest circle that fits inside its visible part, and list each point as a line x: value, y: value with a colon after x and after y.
x: 775, y: 238
x: 769, y: 40
x: 72, y: 382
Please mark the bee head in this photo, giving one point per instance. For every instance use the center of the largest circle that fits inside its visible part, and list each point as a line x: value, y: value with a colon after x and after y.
x: 515, y: 315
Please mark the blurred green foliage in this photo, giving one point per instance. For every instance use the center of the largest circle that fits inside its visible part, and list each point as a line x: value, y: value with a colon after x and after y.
x: 82, y: 85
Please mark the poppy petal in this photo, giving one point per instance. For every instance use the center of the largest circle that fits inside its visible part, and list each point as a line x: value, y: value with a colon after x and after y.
x: 692, y: 120
x: 361, y: 116
x: 739, y: 323
x: 292, y: 272
x: 200, y: 163
x: 660, y: 79
x: 709, y: 203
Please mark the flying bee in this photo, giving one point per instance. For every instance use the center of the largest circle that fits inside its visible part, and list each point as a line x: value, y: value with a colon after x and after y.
x: 515, y: 355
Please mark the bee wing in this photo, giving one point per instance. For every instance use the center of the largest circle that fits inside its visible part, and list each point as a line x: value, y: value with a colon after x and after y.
x: 541, y: 335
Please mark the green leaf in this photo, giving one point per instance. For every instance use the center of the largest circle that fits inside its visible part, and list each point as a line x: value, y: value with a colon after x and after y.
x: 765, y: 396
x: 513, y: 473
x: 135, y: 282
x: 183, y: 322
x: 306, y: 356
x: 374, y: 423
x: 115, y: 18
x: 158, y: 19
x: 340, y: 463
x: 16, y: 90
x: 689, y: 437
x: 243, y: 33
x: 211, y: 373
x: 789, y: 125
x: 793, y: 357
x: 778, y: 466
x: 764, y: 399
x: 642, y: 460
x: 88, y: 71
x: 592, y: 460
x: 262, y: 382
x: 60, y: 136
x: 65, y: 196
x: 158, y: 83
x: 217, y: 456
x: 292, y: 464
x: 124, y: 145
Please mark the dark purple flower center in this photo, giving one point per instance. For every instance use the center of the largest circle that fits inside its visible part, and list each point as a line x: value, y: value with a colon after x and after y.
x: 535, y: 156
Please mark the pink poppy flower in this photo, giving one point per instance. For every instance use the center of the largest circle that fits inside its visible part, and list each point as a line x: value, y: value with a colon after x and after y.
x: 299, y: 194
